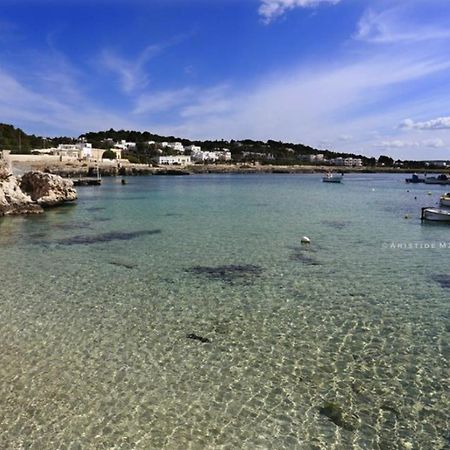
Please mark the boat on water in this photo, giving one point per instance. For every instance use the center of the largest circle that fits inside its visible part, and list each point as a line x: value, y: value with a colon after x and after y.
x: 436, y: 214
x: 415, y: 179
x: 445, y: 200
x: 440, y: 179
x: 332, y: 178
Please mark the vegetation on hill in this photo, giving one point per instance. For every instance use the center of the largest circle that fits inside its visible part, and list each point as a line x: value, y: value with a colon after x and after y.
x: 246, y: 150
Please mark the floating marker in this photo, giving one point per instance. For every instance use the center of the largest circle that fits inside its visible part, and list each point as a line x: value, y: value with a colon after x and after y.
x: 305, y: 240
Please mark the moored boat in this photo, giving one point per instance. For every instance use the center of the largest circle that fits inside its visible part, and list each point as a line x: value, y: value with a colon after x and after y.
x: 415, y: 179
x: 332, y: 178
x: 440, y: 179
x: 445, y: 200
x: 436, y: 214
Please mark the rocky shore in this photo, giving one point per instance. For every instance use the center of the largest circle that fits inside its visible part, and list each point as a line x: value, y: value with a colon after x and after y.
x: 32, y: 192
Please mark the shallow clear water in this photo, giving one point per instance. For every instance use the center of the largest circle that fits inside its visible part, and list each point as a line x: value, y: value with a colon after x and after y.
x: 95, y: 314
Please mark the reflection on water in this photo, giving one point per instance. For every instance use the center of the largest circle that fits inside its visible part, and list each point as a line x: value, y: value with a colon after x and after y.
x: 223, y: 331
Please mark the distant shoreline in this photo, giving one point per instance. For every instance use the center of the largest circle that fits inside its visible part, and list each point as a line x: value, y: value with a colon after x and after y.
x: 75, y: 169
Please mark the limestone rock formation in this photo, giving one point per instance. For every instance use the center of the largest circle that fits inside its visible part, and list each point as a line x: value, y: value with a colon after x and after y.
x: 33, y: 192
x: 47, y: 189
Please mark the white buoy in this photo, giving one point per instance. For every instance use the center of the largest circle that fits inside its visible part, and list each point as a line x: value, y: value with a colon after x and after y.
x: 305, y: 240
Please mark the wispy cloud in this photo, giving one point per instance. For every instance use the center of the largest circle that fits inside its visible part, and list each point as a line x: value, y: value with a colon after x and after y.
x: 271, y: 9
x: 398, y: 144
x: 153, y: 102
x: 441, y: 123
x: 398, y: 24
x: 131, y: 72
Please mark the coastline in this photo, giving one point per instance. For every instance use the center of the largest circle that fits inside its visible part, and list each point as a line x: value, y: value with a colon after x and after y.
x: 81, y: 169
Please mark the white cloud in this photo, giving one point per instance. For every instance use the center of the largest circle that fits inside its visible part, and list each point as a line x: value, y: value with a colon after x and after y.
x: 162, y: 100
x: 398, y: 144
x: 53, y: 111
x: 271, y: 9
x: 434, y: 143
x: 131, y: 72
x: 395, y: 25
x: 441, y: 123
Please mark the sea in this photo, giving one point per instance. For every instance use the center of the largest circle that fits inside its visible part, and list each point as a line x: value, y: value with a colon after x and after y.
x: 186, y: 313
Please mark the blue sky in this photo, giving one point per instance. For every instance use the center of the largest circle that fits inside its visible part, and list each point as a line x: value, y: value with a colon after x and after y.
x: 370, y: 77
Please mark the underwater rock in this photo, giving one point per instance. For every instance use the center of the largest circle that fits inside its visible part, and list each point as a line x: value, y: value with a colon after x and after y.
x: 123, y: 264
x: 104, y: 237
x: 336, y: 414
x: 303, y: 255
x: 443, y: 280
x: 196, y: 337
x: 95, y: 208
x: 337, y: 224
x: 228, y: 273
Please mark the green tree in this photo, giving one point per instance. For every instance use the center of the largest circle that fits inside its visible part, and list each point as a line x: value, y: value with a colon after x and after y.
x: 109, y: 154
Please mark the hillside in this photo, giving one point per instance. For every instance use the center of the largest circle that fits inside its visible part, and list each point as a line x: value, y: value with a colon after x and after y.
x: 246, y: 150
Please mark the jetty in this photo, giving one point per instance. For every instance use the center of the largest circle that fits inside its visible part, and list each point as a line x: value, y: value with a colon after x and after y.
x: 87, y: 181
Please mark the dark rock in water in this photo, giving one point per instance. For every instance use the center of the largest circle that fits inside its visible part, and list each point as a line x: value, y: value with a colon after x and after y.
x: 95, y: 208
x: 105, y: 237
x: 390, y: 408
x: 228, y: 273
x: 337, y: 224
x: 303, y: 255
x: 443, y: 280
x: 335, y: 413
x: 123, y: 264
x: 196, y: 337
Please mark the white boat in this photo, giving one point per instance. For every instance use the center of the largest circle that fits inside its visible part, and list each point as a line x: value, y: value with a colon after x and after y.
x: 436, y: 214
x: 332, y: 178
x: 445, y: 200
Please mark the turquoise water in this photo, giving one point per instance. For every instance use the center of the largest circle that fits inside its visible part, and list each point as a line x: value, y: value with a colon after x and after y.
x: 97, y: 300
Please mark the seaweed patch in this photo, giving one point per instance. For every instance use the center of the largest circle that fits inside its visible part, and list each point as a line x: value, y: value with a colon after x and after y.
x: 196, y: 337
x: 303, y: 255
x: 443, y: 280
x: 229, y: 273
x: 123, y: 264
x: 104, y: 237
x: 95, y: 208
x: 336, y: 224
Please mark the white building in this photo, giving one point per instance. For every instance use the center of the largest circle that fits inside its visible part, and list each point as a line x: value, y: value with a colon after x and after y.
x: 353, y: 162
x: 339, y: 161
x: 173, y: 160
x: 176, y: 146
x: 124, y: 145
x: 315, y: 159
x: 193, y: 148
x: 81, y: 150
x: 202, y: 156
x: 223, y: 154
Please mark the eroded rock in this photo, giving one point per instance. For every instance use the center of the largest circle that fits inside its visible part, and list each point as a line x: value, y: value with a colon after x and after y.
x: 47, y: 189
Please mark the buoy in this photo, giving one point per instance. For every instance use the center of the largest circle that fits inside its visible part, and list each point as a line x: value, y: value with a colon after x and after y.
x: 373, y: 189
x: 305, y: 240
x: 406, y: 216
x: 430, y: 193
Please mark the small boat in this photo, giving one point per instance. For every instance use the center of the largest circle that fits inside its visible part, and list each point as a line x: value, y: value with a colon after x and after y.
x: 332, y: 178
x: 436, y: 214
x: 440, y: 179
x: 445, y: 200
x: 415, y: 179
